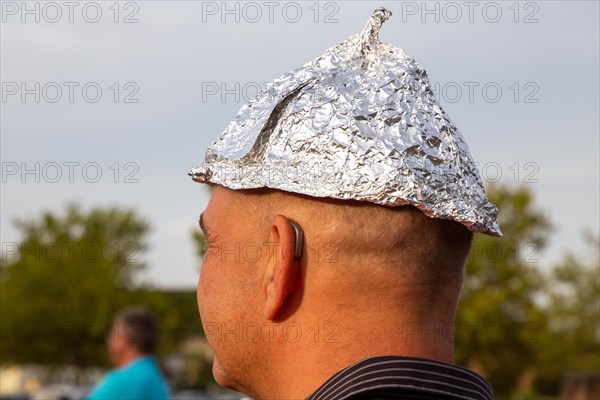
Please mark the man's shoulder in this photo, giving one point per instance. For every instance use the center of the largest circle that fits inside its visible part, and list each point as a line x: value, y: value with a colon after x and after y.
x: 144, y: 371
x: 108, y: 387
x: 139, y: 380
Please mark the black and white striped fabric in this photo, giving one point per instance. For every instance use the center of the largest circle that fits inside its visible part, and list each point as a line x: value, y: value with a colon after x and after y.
x: 395, y: 377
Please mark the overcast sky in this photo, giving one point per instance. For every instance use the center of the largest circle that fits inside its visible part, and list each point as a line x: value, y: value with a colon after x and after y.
x: 138, y: 90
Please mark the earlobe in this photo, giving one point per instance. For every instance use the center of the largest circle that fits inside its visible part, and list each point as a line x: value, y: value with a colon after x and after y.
x: 282, y: 274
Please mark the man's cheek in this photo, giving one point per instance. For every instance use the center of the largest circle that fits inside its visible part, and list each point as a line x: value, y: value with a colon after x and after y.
x: 206, y: 276
x: 211, y: 331
x: 203, y: 293
x: 212, y: 251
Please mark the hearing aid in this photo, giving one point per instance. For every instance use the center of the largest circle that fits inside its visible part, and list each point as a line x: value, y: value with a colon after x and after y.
x: 298, y: 239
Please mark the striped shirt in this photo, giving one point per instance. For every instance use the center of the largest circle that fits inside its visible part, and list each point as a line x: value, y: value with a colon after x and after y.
x: 395, y: 377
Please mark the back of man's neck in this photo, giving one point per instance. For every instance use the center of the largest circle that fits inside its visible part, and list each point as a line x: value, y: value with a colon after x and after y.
x: 300, y: 368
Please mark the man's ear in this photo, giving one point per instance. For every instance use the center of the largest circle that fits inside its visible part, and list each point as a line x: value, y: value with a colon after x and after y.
x: 282, y: 275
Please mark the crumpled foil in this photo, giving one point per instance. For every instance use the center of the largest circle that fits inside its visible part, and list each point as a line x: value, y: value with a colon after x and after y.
x: 359, y: 122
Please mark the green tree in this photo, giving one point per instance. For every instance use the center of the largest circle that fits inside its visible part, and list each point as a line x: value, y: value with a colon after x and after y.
x: 571, y: 342
x: 499, y: 320
x: 61, y: 285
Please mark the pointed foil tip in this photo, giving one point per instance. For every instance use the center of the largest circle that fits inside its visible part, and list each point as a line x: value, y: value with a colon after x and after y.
x: 379, y: 16
x: 382, y: 13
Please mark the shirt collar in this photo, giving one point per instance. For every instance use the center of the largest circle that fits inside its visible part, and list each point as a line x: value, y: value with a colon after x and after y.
x: 401, y: 375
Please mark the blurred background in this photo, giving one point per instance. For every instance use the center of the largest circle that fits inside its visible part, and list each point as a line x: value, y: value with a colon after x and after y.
x: 107, y: 104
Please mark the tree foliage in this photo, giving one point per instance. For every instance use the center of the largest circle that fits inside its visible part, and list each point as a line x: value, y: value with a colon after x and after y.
x: 571, y: 341
x: 522, y: 324
x: 498, y: 320
x: 62, y: 284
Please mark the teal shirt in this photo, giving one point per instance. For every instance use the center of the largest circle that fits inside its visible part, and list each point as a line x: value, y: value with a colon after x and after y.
x: 141, y: 379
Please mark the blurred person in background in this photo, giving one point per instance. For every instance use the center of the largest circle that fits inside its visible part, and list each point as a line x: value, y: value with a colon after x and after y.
x: 131, y: 346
